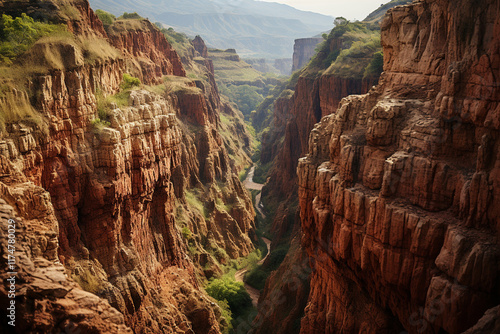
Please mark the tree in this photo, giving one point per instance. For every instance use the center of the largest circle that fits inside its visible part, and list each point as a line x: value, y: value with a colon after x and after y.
x: 340, y: 21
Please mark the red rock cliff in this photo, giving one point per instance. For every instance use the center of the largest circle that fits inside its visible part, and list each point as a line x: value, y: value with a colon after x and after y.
x: 295, y: 114
x: 114, y: 197
x: 399, y: 189
x: 153, y: 56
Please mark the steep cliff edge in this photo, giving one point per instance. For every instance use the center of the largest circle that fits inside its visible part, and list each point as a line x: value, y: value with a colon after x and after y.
x: 399, y: 189
x: 303, y: 51
x: 123, y: 183
x: 313, y: 92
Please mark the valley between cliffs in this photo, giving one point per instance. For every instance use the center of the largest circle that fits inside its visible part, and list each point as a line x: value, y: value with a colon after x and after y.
x: 120, y: 168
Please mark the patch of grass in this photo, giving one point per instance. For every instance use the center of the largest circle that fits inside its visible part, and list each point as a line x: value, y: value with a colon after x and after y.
x: 353, y: 61
x: 186, y: 233
x: 15, y: 105
x: 195, y: 203
x: 96, y: 49
x: 88, y: 281
x: 105, y: 104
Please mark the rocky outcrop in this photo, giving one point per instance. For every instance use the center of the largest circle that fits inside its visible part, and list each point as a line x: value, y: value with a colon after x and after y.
x: 147, y: 48
x: 108, y: 201
x: 398, y: 189
x: 303, y: 51
x: 45, y: 299
x: 200, y: 47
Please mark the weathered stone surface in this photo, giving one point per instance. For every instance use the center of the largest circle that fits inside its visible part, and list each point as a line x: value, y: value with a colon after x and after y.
x: 143, y: 41
x: 105, y: 200
x: 398, y: 189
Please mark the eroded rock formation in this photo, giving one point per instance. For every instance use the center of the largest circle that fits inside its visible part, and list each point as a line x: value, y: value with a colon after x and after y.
x: 303, y: 50
x: 400, y: 188
x: 108, y: 202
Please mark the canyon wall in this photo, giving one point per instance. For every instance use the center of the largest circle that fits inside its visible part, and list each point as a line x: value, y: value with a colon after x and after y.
x: 399, y: 188
x: 296, y: 111
x: 303, y: 51
x: 102, y: 204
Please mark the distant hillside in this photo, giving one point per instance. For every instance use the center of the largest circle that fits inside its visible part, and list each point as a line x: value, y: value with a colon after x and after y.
x: 253, y: 28
x: 377, y: 14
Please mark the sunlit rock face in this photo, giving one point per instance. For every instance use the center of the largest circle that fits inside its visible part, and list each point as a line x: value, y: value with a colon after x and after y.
x: 400, y: 187
x: 96, y: 205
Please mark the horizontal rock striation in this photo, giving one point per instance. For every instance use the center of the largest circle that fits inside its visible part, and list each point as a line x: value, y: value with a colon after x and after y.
x: 103, y: 201
x: 399, y: 188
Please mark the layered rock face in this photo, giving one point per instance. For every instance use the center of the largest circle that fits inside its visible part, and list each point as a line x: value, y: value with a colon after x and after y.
x: 148, y: 49
x: 105, y: 201
x: 303, y: 50
x: 399, y: 189
x: 295, y: 114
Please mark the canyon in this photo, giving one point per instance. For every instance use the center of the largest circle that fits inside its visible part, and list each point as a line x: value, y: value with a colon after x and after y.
x: 123, y: 170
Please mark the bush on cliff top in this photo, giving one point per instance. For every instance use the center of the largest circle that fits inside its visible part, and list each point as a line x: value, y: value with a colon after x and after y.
x: 106, y: 18
x: 130, y: 16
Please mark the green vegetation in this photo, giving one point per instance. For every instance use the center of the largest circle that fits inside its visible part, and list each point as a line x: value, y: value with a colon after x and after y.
x: 129, y: 81
x: 106, y: 104
x: 186, y: 233
x: 359, y: 57
x: 258, y: 275
x: 18, y: 34
x: 376, y: 65
x: 179, y: 41
x: 261, y: 172
x: 246, y: 97
x: 106, y: 18
x: 192, y: 198
x: 130, y: 16
x: 231, y: 293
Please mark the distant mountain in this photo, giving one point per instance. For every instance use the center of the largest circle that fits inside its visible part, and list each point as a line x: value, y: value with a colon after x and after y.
x: 253, y: 28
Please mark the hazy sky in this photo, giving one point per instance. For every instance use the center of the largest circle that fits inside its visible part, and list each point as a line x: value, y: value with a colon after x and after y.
x: 350, y: 9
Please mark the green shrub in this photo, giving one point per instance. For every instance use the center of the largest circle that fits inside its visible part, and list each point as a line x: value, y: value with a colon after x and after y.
x: 133, y: 16
x: 18, y: 34
x: 226, y: 317
x: 186, y: 233
x: 129, y: 81
x: 106, y: 18
x: 231, y: 291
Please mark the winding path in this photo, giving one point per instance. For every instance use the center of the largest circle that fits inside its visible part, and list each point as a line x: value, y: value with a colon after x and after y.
x: 249, y: 184
x: 238, y: 276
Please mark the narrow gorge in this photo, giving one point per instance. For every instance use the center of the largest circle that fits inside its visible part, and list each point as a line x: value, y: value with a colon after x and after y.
x: 151, y: 183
